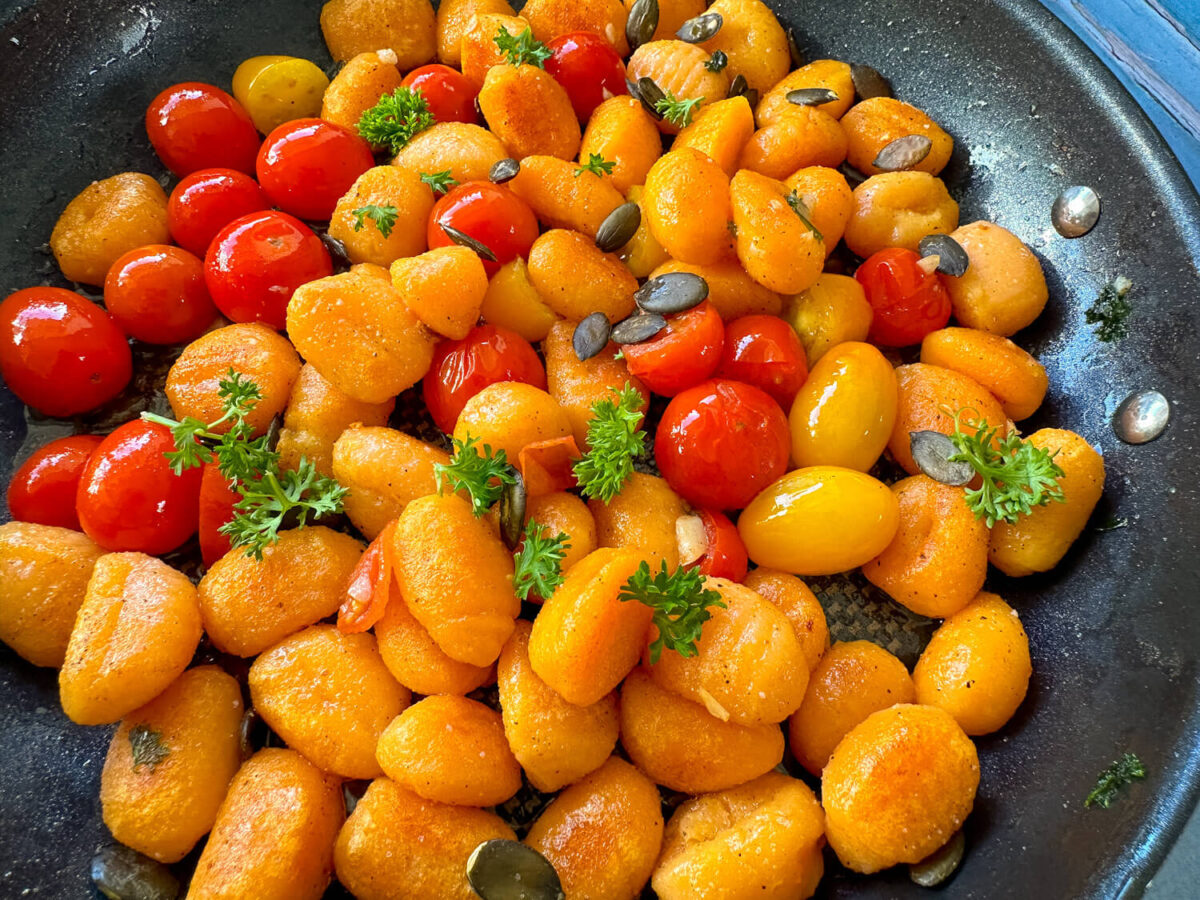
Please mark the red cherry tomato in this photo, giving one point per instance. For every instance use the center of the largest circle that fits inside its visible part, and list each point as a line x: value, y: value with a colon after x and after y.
x: 491, y: 214
x: 725, y: 556
x: 216, y: 508
x: 588, y: 68
x: 157, y: 294
x: 461, y: 369
x: 685, y: 353
x: 370, y: 585
x: 305, y: 166
x: 766, y: 352
x: 206, y: 201
x: 129, y: 499
x: 255, y: 264
x: 43, y: 489
x: 197, y: 126
x: 908, y: 302
x: 449, y: 94
x: 60, y: 353
x: 720, y: 443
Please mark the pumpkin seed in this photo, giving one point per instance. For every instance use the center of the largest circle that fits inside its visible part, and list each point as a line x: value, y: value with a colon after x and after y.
x: 868, y: 82
x: 931, y: 451
x: 510, y: 870
x: 1075, y: 211
x: 811, y: 96
x: 337, y: 250
x: 591, y: 335
x: 1141, y: 417
x: 650, y: 94
x: 638, y: 328
x: 952, y: 258
x: 700, y: 28
x: 504, y: 170
x: 798, y: 58
x: 672, y: 292
x: 121, y: 873
x: 739, y: 87
x: 512, y: 511
x: 853, y: 177
x: 465, y: 240
x: 641, y: 24
x: 936, y: 868
x: 903, y: 153
x: 619, y: 227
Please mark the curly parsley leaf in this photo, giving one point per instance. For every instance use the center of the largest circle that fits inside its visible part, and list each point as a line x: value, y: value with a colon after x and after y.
x: 538, y: 564
x: 717, y: 62
x: 1123, y: 771
x: 482, y: 476
x: 148, y: 747
x: 613, y: 439
x: 441, y: 182
x: 677, y: 112
x: 596, y: 164
x: 267, y: 501
x: 680, y: 602
x: 384, y: 218
x: 522, y: 49
x: 1111, y: 310
x: 396, y: 119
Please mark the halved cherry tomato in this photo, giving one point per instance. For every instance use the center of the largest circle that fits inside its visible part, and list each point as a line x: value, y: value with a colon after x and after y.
x: 217, y: 499
x: 60, y: 353
x: 461, y: 369
x: 307, y: 165
x: 198, y: 126
x: 43, y: 489
x: 255, y: 264
x: 683, y: 354
x: 548, y: 466
x: 764, y: 351
x: 721, y: 442
x: 588, y: 67
x: 908, y: 302
x: 369, y: 586
x: 449, y: 94
x: 489, y: 213
x: 157, y: 294
x: 206, y: 201
x: 128, y: 497
x: 725, y: 554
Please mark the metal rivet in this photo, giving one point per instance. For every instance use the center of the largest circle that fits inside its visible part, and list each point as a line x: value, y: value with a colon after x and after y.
x: 1141, y: 417
x: 1075, y: 211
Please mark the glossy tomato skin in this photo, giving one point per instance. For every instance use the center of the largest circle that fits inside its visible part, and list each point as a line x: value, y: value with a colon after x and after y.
x: 255, y: 264
x: 128, y: 497
x: 449, y: 94
x: 198, y: 126
x: 461, y: 369
x: 764, y: 351
x: 588, y: 68
x: 726, y: 554
x: 908, y: 303
x: 720, y: 443
x: 305, y: 166
x: 157, y: 294
x: 60, y: 353
x: 216, y: 508
x: 43, y: 489
x: 206, y: 201
x: 490, y: 213
x: 684, y: 354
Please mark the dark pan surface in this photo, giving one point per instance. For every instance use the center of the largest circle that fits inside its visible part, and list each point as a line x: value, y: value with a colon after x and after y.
x: 1114, y: 629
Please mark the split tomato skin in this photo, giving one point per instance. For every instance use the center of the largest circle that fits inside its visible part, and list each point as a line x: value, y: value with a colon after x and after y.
x: 908, y: 303
x: 726, y: 555
x: 721, y: 442
x: 683, y: 354
x: 764, y: 351
x: 489, y: 213
x: 206, y: 201
x: 307, y: 165
x: 129, y: 499
x: 449, y: 94
x: 60, y: 353
x: 43, y: 489
x: 589, y: 69
x: 198, y: 126
x: 157, y: 294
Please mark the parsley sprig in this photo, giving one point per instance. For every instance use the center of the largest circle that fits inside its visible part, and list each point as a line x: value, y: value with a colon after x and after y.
x: 522, y: 49
x: 384, y: 218
x: 1123, y: 771
x: 441, y: 182
x: 677, y: 112
x: 596, y: 164
x: 396, y: 119
x: 269, y: 497
x: 613, y: 441
x: 680, y: 602
x: 1111, y: 310
x: 482, y: 476
x: 1017, y: 475
x: 538, y: 564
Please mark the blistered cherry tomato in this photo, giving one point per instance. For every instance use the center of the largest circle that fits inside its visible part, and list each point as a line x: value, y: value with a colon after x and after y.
x: 60, y: 353
x: 307, y: 165
x: 369, y: 585
x: 725, y: 555
x: 216, y: 508
x: 588, y: 68
x: 908, y: 302
x: 449, y: 94
x: 255, y: 263
x: 683, y: 354
x: 157, y: 294
x: 721, y: 442
x: 129, y: 499
x: 198, y: 126
x: 489, y: 213
x: 461, y: 369
x: 43, y: 489
x: 764, y: 351
x: 206, y: 201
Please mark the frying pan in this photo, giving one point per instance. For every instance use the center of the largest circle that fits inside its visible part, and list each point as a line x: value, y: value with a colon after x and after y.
x: 1113, y: 629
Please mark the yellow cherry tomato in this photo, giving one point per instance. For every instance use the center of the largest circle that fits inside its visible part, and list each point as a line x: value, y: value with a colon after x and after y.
x: 833, y: 310
x: 845, y: 412
x: 819, y: 520
x: 278, y: 89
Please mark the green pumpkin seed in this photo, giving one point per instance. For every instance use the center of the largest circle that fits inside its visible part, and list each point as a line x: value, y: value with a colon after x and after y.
x: 868, y: 83
x: 798, y: 58
x: 512, y: 511
x: 510, y: 870
x: 618, y: 227
x: 739, y: 87
x: 638, y: 328
x: 700, y: 28
x: 952, y: 258
x: 465, y: 240
x: 120, y: 873
x: 903, y: 153
x: 672, y: 292
x: 650, y: 94
x: 641, y: 23
x: 591, y: 336
x: 931, y: 451
x: 936, y: 868
x: 504, y: 170
x: 811, y: 96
